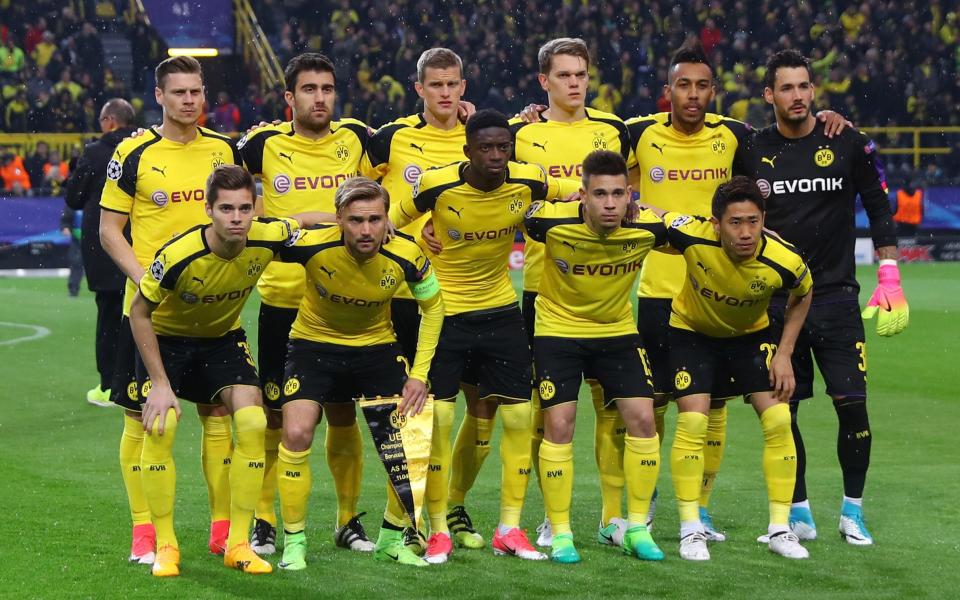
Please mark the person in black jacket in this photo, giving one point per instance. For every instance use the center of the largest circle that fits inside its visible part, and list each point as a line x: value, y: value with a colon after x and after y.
x: 83, y: 187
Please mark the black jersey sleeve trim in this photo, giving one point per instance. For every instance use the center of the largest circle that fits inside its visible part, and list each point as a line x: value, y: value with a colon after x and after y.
x: 128, y: 178
x: 658, y: 230
x: 237, y: 159
x: 681, y: 240
x: 252, y: 149
x: 172, y: 274
x: 378, y: 148
x: 410, y: 271
x: 637, y: 129
x: 362, y: 133
x: 427, y: 199
x: 786, y: 275
x: 537, y: 227
x: 622, y: 133
x: 303, y: 254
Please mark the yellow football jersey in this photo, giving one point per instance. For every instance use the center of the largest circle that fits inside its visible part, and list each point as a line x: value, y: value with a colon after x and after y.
x: 587, y: 278
x: 403, y: 149
x: 560, y: 149
x: 203, y: 293
x: 679, y: 173
x: 160, y: 184
x: 476, y: 229
x: 721, y: 298
x: 347, y: 302
x: 300, y: 175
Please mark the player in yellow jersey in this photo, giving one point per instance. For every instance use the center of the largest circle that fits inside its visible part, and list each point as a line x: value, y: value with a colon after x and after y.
x: 156, y: 182
x: 396, y: 155
x: 566, y: 132
x: 194, y: 348
x: 301, y: 163
x: 678, y: 160
x: 585, y: 325
x: 342, y: 346
x: 721, y: 345
x: 477, y: 207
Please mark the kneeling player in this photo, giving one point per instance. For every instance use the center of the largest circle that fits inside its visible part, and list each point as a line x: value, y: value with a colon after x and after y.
x: 584, y: 323
x: 195, y: 349
x: 720, y: 344
x: 342, y: 346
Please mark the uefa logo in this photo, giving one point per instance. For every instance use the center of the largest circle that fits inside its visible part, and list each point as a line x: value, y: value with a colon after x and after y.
x: 159, y: 198
x: 281, y: 183
x: 562, y: 265
x: 764, y: 186
x: 454, y: 234
x: 410, y: 173
x: 656, y: 174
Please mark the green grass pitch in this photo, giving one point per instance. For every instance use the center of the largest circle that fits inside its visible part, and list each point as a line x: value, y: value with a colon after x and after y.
x: 66, y: 525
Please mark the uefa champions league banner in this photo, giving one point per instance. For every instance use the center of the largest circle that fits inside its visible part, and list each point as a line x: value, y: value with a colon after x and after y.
x: 403, y: 444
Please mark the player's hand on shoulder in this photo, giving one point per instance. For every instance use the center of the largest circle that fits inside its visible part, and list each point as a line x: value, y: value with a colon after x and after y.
x: 428, y: 235
x: 159, y: 401
x: 834, y: 122
x: 633, y: 211
x: 138, y: 132
x: 465, y: 110
x: 781, y: 377
x: 414, y: 397
x: 261, y: 125
x: 532, y: 113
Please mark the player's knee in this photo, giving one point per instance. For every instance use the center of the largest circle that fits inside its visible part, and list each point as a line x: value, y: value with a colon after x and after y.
x: 297, y: 437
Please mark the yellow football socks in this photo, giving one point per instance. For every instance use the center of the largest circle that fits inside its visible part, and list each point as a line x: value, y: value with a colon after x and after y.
x: 215, y: 453
x: 246, y: 471
x: 713, y: 451
x: 779, y: 461
x: 659, y: 417
x: 641, y: 465
x: 556, y: 469
x: 515, y: 457
x: 438, y: 475
x: 293, y: 481
x: 536, y: 431
x: 266, y: 510
x: 131, y: 449
x: 608, y: 450
x: 470, y: 450
x: 345, y: 460
x: 159, y: 475
x: 686, y: 463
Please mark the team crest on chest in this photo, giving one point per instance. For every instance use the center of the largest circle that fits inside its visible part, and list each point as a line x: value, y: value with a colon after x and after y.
x: 599, y: 143
x: 718, y: 146
x: 823, y: 157
x: 343, y: 153
x: 216, y: 159
x: 516, y: 204
x: 254, y: 268
x: 389, y: 280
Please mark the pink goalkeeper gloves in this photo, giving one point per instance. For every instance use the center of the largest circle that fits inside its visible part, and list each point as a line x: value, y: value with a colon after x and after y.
x: 888, y: 299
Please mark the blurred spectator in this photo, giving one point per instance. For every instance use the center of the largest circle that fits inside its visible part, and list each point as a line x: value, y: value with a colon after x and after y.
x: 16, y: 181
x: 15, y: 115
x: 43, y: 52
x: 70, y: 228
x: 226, y: 116
x: 55, y: 172
x: 909, y: 213
x: 12, y: 59
x: 67, y: 84
x: 90, y: 49
x: 35, y: 162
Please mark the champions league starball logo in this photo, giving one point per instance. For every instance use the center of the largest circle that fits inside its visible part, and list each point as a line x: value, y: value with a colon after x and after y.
x: 159, y: 198
x: 281, y: 183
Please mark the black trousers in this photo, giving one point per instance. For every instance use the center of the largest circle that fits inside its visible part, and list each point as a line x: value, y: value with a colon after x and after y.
x: 109, y: 311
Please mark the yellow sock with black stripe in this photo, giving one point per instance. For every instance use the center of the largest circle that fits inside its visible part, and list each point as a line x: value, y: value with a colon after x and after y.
x: 470, y: 450
x: 159, y: 474
x: 246, y: 471
x: 266, y: 510
x: 713, y: 451
x: 515, y: 457
x: 659, y: 418
x: 438, y: 475
x: 131, y: 450
x: 779, y: 461
x: 345, y: 460
x: 536, y: 430
x: 686, y: 463
x: 608, y: 435
x: 556, y: 465
x: 394, y: 515
x: 293, y: 481
x: 216, y: 452
x: 641, y: 466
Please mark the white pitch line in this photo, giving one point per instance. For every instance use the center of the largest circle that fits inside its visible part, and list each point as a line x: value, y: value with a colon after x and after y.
x: 38, y: 332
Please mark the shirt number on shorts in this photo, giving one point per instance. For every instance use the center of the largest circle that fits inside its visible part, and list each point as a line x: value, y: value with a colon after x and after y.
x: 246, y: 353
x: 862, y: 348
x: 645, y: 361
x: 406, y: 364
x: 770, y: 350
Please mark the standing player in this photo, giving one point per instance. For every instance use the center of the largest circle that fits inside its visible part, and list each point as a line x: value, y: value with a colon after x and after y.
x: 156, y: 182
x: 721, y: 344
x: 342, y: 346
x: 810, y: 183
x: 194, y: 348
x: 397, y: 154
x: 477, y: 207
x: 568, y: 131
x: 301, y: 163
x: 584, y: 325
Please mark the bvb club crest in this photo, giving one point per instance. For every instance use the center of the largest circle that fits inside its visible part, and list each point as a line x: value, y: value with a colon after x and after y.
x: 823, y: 157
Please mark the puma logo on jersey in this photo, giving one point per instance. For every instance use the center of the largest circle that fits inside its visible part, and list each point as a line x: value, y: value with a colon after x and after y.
x: 198, y: 280
x: 419, y: 148
x: 658, y: 148
x: 289, y: 157
x: 572, y: 246
x: 455, y: 211
x: 542, y: 146
x: 159, y: 170
x: 769, y: 161
x: 329, y: 273
x: 701, y: 265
